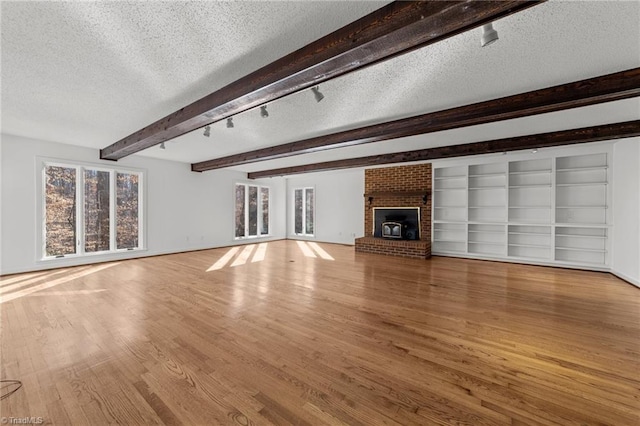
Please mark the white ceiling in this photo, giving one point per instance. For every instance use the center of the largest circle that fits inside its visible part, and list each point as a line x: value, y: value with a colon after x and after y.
x: 91, y: 73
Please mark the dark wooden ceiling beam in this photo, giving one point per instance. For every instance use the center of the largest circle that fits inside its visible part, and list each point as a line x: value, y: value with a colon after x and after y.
x: 611, y: 87
x: 395, y: 29
x: 544, y: 140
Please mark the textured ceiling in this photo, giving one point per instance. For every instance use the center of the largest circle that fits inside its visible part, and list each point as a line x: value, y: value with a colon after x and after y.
x: 91, y: 73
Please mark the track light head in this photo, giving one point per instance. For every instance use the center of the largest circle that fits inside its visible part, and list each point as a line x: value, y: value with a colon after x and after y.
x: 317, y: 94
x: 207, y: 131
x: 263, y: 111
x: 230, y: 123
x: 489, y: 35
x: 162, y: 145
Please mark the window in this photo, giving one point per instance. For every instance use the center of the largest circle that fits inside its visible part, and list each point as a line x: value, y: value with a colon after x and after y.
x: 303, y: 211
x: 127, y: 218
x: 89, y: 210
x: 251, y: 211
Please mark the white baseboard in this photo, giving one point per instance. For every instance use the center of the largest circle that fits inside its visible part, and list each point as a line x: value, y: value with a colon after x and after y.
x: 626, y: 278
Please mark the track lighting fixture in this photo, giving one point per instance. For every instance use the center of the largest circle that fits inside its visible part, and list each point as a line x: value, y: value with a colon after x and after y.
x: 489, y: 35
x: 162, y: 145
x: 230, y: 123
x: 263, y: 111
x: 207, y: 131
x: 316, y: 92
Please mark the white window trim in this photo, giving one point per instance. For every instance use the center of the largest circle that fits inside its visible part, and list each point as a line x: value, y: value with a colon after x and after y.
x: 304, y: 213
x: 246, y: 211
x: 80, y: 167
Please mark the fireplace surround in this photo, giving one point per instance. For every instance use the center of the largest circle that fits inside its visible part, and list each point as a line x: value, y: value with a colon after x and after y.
x: 386, y: 189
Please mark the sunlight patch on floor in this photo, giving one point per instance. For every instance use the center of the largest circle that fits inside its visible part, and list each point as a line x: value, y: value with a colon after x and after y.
x: 22, y: 277
x: 82, y: 273
x: 320, y: 251
x: 27, y: 282
x: 310, y: 249
x: 260, y: 253
x: 243, y: 256
x: 306, y: 250
x: 222, y: 262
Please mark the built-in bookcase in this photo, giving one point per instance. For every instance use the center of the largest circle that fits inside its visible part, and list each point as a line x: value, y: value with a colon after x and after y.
x: 542, y: 210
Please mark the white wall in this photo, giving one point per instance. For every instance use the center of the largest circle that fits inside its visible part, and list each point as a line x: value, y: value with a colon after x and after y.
x: 184, y: 210
x: 339, y: 205
x: 626, y: 210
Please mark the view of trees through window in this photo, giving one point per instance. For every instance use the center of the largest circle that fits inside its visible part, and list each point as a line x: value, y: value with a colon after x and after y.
x: 60, y: 211
x: 251, y: 211
x: 64, y: 232
x: 240, y: 190
x: 96, y: 211
x: 264, y: 194
x: 303, y: 211
x: 127, y: 211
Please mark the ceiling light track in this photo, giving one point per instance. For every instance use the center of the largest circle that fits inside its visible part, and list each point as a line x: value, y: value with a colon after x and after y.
x: 593, y: 91
x: 397, y: 28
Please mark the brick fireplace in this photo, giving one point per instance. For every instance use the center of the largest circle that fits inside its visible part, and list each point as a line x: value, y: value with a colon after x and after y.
x: 397, y: 188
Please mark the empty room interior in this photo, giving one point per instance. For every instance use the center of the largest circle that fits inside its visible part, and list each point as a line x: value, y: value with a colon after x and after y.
x: 320, y: 212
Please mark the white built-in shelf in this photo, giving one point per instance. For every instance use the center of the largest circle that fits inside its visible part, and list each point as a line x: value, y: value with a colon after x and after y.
x: 554, y: 210
x: 530, y: 172
x: 529, y: 245
x: 581, y: 207
x: 529, y: 233
x: 581, y: 249
x: 603, y: 237
x: 487, y: 174
x: 450, y: 177
x: 581, y: 169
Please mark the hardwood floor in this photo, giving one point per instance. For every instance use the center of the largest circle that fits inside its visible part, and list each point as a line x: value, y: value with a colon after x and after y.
x: 361, y: 340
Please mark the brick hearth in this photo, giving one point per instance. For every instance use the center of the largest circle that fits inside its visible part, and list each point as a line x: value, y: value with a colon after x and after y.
x: 404, y: 248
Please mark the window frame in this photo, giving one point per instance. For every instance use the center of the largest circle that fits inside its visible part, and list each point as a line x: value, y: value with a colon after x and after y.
x: 304, y: 211
x: 80, y: 226
x: 259, y: 222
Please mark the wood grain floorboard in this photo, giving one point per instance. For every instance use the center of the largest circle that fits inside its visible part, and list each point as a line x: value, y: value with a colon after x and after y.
x: 360, y: 340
